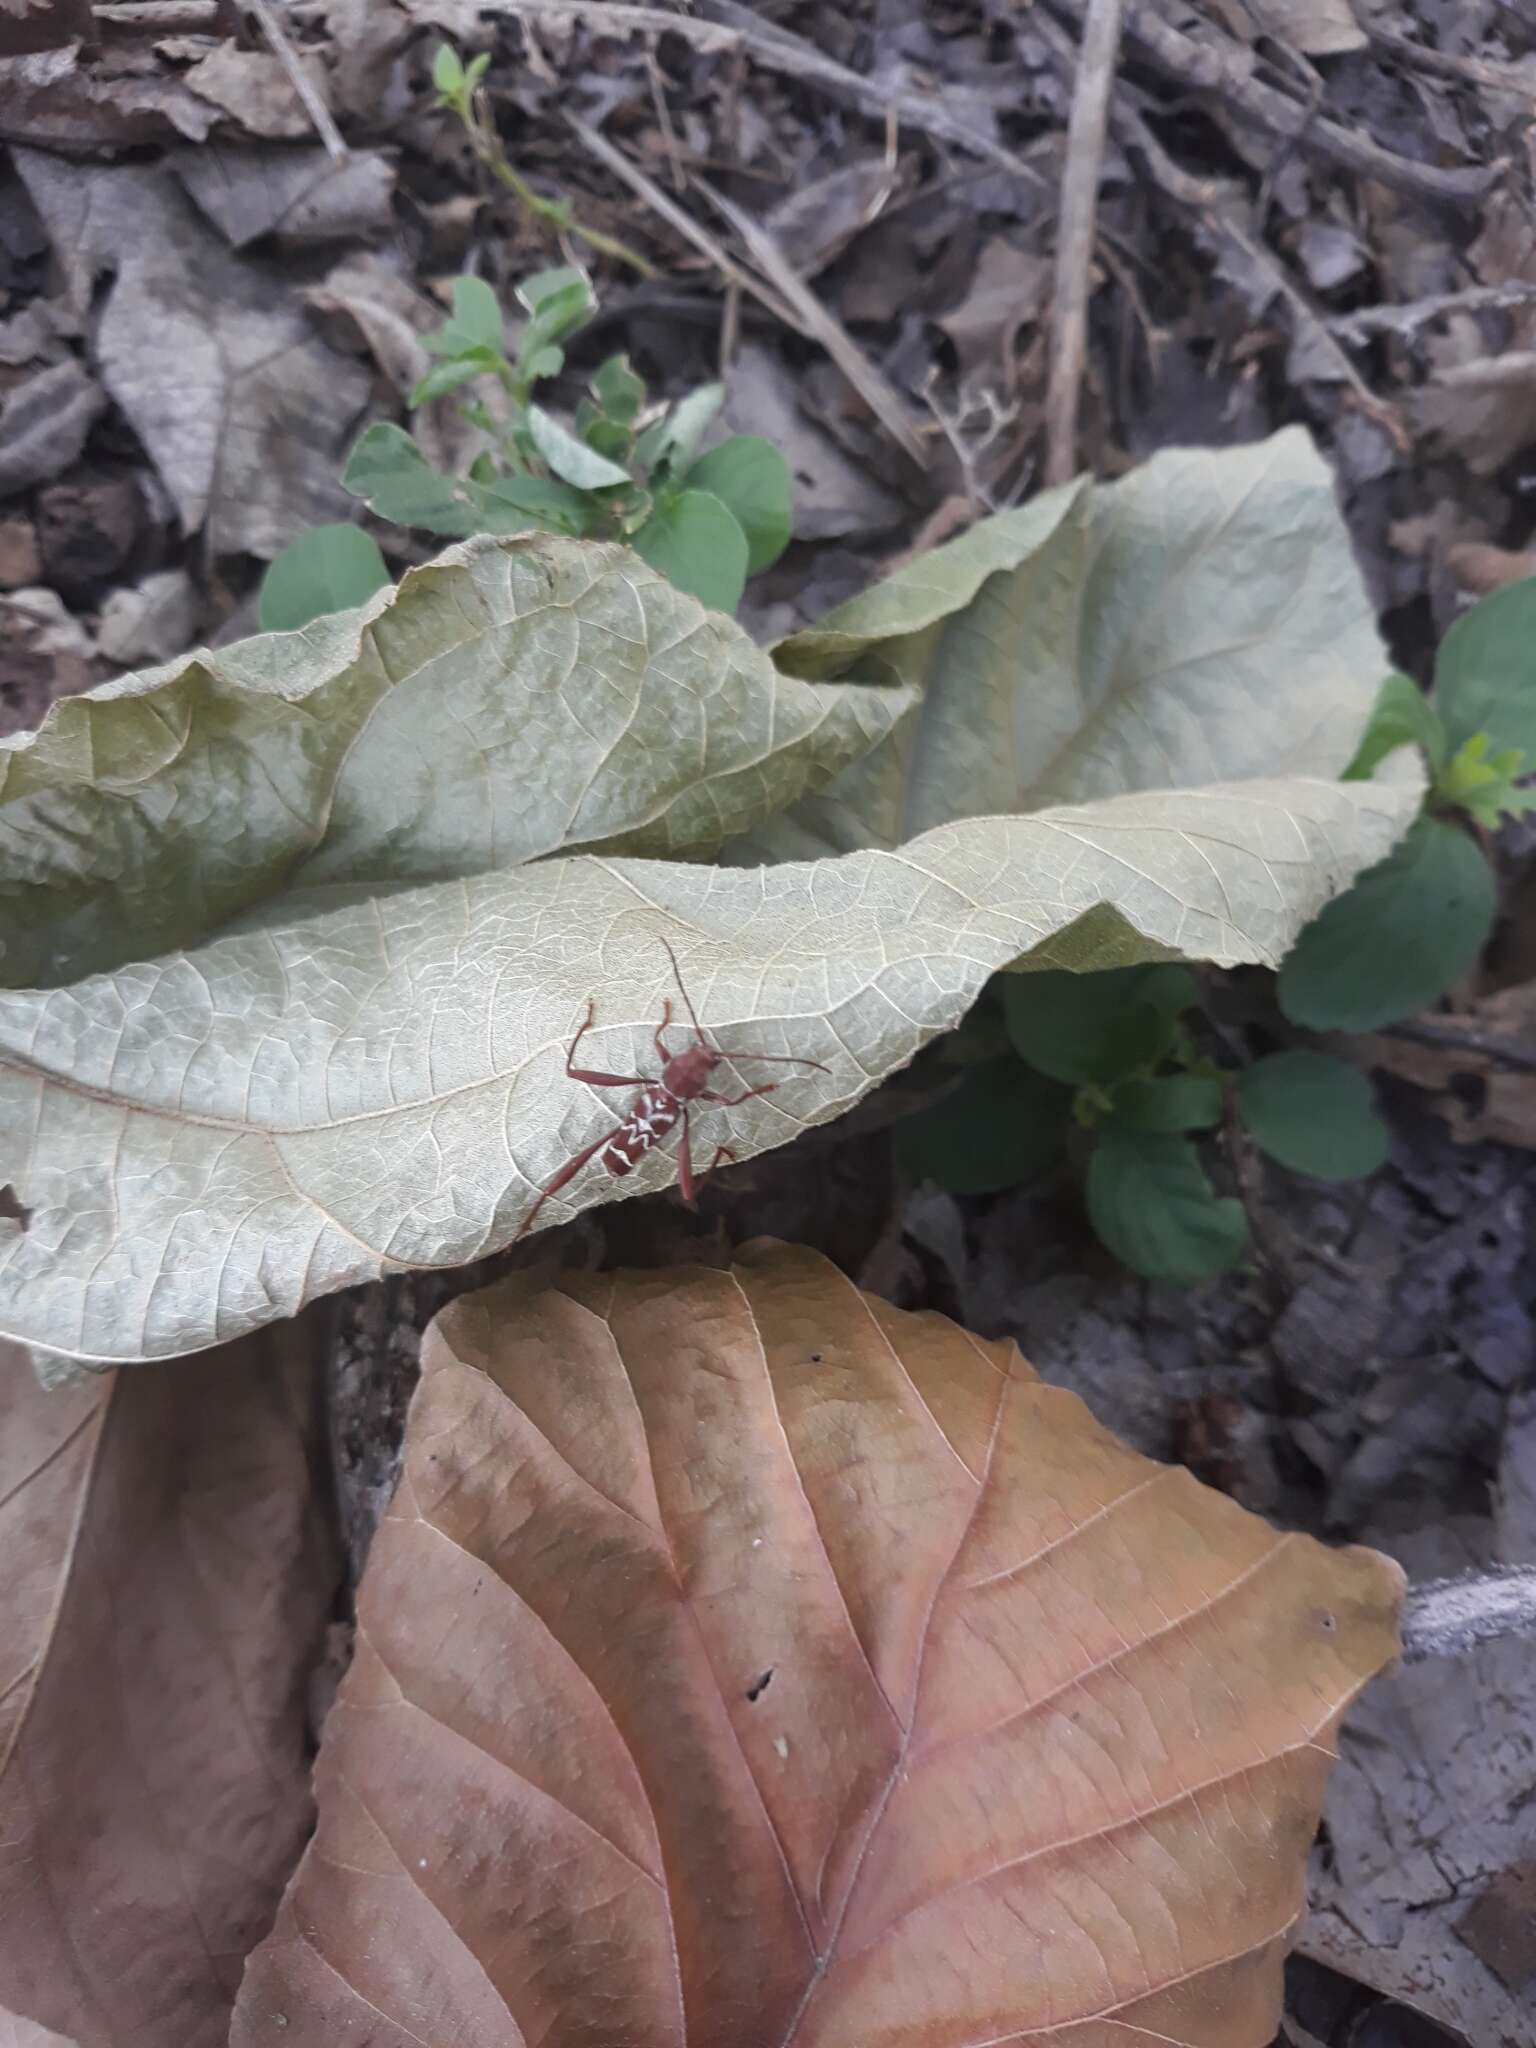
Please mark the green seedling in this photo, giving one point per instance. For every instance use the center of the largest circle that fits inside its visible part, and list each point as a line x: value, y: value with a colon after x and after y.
x: 1414, y: 924
x: 1105, y: 1070
x: 619, y: 468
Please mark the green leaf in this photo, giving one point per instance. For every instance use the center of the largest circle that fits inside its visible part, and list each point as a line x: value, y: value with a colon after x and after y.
x: 512, y: 700
x: 546, y: 287
x: 1173, y: 1102
x: 477, y: 315
x: 751, y: 479
x: 448, y: 376
x: 1313, y: 1114
x: 570, y: 459
x: 555, y: 506
x: 328, y: 569
x: 609, y: 438
x: 694, y: 541
x: 679, y: 433
x: 559, y: 301
x: 1402, y: 716
x: 545, y: 362
x: 1152, y: 1205
x: 1404, y: 935
x: 1003, y: 1124
x: 475, y: 70
x: 1198, y: 623
x: 389, y: 472
x: 1485, y: 674
x: 1483, y: 784
x: 619, y: 390
x: 1096, y: 1028
x: 447, y: 71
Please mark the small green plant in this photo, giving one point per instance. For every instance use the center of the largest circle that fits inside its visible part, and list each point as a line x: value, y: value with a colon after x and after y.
x: 1104, y: 1068
x: 459, y: 91
x: 621, y: 469
x: 1414, y: 924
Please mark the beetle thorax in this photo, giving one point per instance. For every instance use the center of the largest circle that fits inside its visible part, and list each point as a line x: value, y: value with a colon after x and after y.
x: 687, y: 1074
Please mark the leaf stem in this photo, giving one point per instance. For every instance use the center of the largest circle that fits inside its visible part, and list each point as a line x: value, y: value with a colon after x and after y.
x: 556, y: 213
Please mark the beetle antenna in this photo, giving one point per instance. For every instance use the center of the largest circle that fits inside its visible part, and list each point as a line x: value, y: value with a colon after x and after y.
x: 777, y: 1059
x: 682, y: 990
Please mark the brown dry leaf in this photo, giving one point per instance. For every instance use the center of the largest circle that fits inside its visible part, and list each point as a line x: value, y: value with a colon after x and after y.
x: 243, y: 410
x: 68, y: 100
x: 168, y: 1575
x: 1318, y: 28
x: 744, y: 1661
x: 1493, y: 1043
x: 254, y: 89
x: 253, y: 189
x: 1484, y: 411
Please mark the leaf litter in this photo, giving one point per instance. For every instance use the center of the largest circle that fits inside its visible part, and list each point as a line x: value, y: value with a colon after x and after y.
x: 1425, y: 316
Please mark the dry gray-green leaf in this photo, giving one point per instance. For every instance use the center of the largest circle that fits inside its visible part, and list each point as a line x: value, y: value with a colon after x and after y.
x: 1202, y: 620
x: 206, y: 1141
x: 512, y: 699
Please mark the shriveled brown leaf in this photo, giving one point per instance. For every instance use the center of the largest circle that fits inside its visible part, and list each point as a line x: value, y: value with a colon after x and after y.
x: 70, y: 100
x: 743, y: 1661
x: 168, y: 1573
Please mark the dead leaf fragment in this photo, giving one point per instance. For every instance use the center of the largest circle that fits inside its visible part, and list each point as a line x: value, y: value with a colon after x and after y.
x: 1484, y: 411
x: 61, y: 99
x: 149, y: 621
x: 1318, y: 28
x: 243, y: 409
x: 305, y: 195
x: 254, y: 89
x: 169, y: 1571
x: 43, y: 424
x: 745, y: 1662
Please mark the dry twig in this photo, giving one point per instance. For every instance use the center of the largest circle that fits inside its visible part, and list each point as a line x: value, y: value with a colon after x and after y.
x: 735, y: 27
x: 1219, y: 69
x: 1075, y: 233
x: 1405, y: 319
x: 318, y: 112
x: 812, y: 318
x: 678, y: 217
x: 1447, y: 1617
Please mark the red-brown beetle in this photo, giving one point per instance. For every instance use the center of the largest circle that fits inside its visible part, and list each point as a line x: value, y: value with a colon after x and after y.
x: 685, y: 1078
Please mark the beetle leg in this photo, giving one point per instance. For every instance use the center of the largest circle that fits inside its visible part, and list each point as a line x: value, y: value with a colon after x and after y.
x: 564, y: 1177
x: 730, y: 1101
x: 589, y: 1074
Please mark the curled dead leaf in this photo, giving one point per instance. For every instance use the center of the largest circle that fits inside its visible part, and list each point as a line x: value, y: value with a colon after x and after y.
x: 744, y: 1661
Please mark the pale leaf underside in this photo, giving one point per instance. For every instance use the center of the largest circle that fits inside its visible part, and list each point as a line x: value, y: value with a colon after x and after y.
x: 206, y: 1141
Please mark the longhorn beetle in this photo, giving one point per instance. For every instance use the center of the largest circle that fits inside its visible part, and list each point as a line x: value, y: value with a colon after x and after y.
x: 685, y: 1078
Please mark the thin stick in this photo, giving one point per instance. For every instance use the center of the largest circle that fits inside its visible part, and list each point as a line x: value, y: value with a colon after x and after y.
x: 871, y: 383
x: 1415, y: 313
x: 1074, y: 234
x: 662, y: 203
x: 738, y: 28
x: 1218, y: 67
x: 299, y: 78
x: 1447, y: 1617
